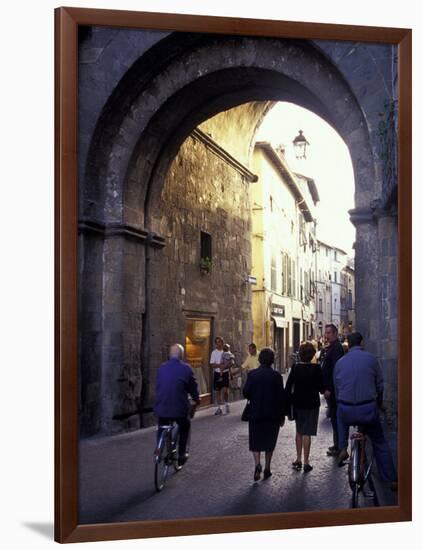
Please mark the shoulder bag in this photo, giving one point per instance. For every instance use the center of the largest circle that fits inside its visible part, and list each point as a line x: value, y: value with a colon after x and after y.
x: 246, y: 415
x: 290, y: 407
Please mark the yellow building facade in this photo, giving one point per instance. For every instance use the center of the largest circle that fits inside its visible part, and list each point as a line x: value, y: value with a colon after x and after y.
x: 283, y: 254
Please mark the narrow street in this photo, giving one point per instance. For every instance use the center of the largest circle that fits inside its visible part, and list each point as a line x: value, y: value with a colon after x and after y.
x: 116, y: 475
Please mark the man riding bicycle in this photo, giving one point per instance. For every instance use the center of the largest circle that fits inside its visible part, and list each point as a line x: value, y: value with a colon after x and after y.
x: 175, y: 382
x: 359, y: 386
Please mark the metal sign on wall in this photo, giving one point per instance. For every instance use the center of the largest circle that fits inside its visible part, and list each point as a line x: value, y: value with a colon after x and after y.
x: 279, y: 310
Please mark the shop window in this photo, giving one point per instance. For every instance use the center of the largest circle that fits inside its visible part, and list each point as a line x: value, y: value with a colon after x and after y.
x: 198, y: 344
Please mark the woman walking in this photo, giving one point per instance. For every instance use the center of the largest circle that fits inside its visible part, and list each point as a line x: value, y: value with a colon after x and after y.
x: 265, y: 392
x: 303, y: 387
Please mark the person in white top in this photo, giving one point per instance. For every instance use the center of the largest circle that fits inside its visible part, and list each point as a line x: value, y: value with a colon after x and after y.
x: 221, y: 376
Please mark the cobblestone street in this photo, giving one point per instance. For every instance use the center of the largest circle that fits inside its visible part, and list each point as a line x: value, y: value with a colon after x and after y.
x: 116, y: 475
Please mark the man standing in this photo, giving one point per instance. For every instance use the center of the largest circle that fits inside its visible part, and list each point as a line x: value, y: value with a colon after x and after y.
x: 359, y: 387
x: 175, y: 382
x: 251, y: 362
x: 221, y: 379
x: 333, y: 353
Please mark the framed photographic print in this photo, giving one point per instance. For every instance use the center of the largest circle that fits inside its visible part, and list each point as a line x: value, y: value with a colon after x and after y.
x: 233, y: 227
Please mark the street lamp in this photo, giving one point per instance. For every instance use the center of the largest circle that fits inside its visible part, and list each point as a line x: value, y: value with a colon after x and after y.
x: 300, y: 142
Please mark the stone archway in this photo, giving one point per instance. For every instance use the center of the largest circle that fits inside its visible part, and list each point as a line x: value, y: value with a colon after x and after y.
x: 135, y: 141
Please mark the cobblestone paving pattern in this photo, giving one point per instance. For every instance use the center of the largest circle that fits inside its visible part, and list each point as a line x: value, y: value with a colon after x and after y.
x: 116, y: 475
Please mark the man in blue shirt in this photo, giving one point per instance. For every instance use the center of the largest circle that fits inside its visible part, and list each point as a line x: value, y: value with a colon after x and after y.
x: 175, y: 382
x: 359, y: 386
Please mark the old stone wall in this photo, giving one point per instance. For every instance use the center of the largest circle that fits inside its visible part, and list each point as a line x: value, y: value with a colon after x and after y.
x: 388, y: 304
x: 371, y: 72
x: 201, y: 193
x: 90, y: 250
x: 111, y: 265
x: 141, y: 93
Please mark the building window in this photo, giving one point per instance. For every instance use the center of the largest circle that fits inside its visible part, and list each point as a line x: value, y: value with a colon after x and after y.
x: 283, y: 273
x: 320, y: 305
x: 274, y: 274
x: 206, y: 251
x: 288, y: 275
x: 335, y: 276
x: 302, y: 231
x: 289, y: 280
x: 301, y: 285
x: 326, y: 251
x: 350, y: 300
x: 307, y: 286
x: 312, y: 286
x: 335, y: 255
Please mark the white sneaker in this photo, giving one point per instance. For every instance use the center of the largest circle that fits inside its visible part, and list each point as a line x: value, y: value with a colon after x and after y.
x: 218, y: 411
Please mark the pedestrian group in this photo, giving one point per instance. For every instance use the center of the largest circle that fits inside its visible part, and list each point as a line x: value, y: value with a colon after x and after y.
x: 349, y: 378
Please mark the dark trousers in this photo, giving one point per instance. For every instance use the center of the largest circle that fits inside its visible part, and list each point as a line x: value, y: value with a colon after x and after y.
x: 367, y: 415
x: 332, y: 406
x: 184, y: 428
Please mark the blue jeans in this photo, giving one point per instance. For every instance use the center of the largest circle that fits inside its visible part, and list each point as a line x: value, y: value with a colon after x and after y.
x: 367, y: 416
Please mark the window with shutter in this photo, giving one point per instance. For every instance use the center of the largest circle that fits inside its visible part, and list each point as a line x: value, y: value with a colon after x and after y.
x: 274, y: 274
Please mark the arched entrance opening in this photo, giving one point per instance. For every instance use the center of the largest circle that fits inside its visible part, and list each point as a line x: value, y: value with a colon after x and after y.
x: 135, y: 142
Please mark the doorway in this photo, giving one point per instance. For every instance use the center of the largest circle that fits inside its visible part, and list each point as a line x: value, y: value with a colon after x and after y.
x: 296, y: 334
x: 280, y: 343
x: 197, y: 346
x: 279, y: 349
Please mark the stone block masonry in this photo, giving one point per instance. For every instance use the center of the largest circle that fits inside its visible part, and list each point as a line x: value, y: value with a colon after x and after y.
x: 141, y: 95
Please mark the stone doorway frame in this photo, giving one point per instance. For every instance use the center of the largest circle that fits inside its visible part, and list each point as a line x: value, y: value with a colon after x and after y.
x: 67, y: 20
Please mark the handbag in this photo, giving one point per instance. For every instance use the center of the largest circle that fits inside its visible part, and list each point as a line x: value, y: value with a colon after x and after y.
x: 290, y: 406
x: 246, y: 415
x: 291, y: 409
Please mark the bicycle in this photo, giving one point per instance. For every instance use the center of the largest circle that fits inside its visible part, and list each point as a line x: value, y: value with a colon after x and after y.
x: 360, y: 467
x: 165, y: 454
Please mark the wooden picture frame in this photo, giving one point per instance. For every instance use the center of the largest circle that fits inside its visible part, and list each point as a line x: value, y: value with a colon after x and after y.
x: 67, y: 21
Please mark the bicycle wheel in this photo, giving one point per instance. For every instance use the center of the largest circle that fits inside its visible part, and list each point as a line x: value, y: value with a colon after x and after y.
x: 354, y: 467
x: 175, y: 443
x: 162, y: 464
x: 355, y: 496
x: 368, y: 487
x: 369, y: 459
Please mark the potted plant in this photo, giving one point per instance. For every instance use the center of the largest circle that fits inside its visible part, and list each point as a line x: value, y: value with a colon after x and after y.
x: 205, y: 265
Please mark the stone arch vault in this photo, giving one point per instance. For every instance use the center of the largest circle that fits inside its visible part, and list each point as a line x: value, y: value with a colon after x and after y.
x: 177, y: 83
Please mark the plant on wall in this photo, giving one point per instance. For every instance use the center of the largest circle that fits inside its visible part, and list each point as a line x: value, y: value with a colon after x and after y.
x: 205, y: 264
